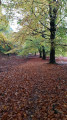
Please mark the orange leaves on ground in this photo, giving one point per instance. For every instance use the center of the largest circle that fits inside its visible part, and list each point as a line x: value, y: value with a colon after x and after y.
x: 31, y: 89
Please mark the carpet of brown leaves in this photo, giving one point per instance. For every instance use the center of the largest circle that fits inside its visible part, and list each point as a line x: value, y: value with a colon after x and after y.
x: 32, y: 89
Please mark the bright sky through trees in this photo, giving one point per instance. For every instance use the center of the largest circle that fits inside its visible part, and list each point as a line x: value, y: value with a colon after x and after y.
x: 13, y: 23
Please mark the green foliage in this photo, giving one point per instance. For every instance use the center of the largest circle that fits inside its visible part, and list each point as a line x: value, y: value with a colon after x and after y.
x: 3, y: 22
x: 5, y: 45
x: 36, y: 25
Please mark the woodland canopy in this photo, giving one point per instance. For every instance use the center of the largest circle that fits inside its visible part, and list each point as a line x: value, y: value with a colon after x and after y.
x: 44, y: 27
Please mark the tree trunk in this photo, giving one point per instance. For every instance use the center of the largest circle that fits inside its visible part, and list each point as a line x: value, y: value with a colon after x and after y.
x: 35, y: 53
x: 52, y: 13
x: 44, y: 54
x: 0, y: 2
x: 40, y: 52
x: 52, y: 50
x: 52, y: 55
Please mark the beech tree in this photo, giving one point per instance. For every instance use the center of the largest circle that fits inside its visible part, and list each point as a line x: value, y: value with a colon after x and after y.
x: 42, y: 17
x: 26, y: 44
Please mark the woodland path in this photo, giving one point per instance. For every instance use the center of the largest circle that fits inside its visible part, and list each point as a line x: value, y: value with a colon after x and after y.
x: 32, y: 89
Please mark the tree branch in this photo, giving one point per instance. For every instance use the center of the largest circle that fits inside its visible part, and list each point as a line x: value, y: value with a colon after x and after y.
x: 44, y: 25
x: 61, y: 20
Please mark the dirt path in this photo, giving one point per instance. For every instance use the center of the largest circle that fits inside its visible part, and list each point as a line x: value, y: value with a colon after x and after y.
x: 32, y: 89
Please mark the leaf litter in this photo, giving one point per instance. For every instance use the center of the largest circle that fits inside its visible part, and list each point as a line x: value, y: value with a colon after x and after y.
x: 32, y: 89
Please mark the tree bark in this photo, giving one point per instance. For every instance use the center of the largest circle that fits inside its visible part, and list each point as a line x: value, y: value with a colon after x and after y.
x: 52, y: 13
x: 40, y: 52
x: 0, y: 2
x: 44, y: 53
x: 52, y: 55
x: 35, y: 53
x: 52, y: 37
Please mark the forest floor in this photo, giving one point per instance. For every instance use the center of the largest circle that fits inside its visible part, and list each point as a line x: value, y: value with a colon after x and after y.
x: 32, y: 89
